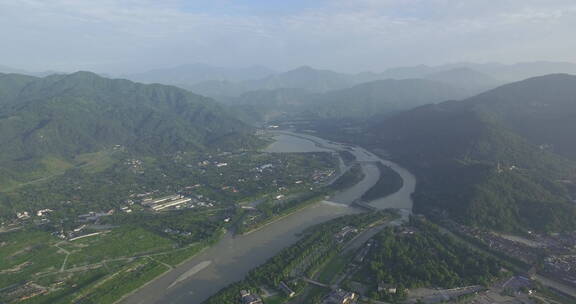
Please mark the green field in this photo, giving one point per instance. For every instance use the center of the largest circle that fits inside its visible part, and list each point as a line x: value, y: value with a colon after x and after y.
x: 25, y: 254
x: 123, y: 242
x: 333, y: 267
x: 98, y: 269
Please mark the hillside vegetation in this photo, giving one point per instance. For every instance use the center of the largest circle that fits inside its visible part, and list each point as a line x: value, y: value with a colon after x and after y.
x: 48, y: 122
x: 481, y: 160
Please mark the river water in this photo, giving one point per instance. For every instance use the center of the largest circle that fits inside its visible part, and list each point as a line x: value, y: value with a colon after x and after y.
x: 233, y: 257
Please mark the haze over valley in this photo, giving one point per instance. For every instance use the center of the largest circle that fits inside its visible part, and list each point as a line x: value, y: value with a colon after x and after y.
x: 307, y: 152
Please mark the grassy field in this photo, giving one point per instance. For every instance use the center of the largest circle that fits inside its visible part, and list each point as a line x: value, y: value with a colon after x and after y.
x: 38, y: 267
x: 102, y: 285
x: 276, y: 299
x: 178, y: 256
x: 116, y: 285
x: 388, y: 183
x: 72, y: 283
x: 99, y: 269
x: 126, y: 241
x: 53, y: 166
x: 333, y: 267
x: 24, y: 254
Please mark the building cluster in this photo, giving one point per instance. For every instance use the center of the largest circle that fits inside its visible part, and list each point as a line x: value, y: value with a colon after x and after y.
x: 287, y: 290
x: 557, y: 243
x: 517, y: 283
x: 44, y: 212
x: 83, y: 230
x: 136, y: 165
x: 165, y: 202
x: 515, y: 249
x: 390, y: 289
x: 559, y: 249
x: 248, y: 298
x: 562, y: 267
x: 126, y: 209
x: 23, y: 215
x: 19, y: 293
x: 340, y: 296
x: 322, y: 176
x: 93, y: 216
x: 206, y: 163
x: 175, y: 201
x: 264, y: 167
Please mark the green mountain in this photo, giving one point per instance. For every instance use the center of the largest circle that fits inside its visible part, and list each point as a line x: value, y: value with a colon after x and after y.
x: 542, y: 109
x: 63, y: 116
x: 11, y: 85
x: 479, y: 161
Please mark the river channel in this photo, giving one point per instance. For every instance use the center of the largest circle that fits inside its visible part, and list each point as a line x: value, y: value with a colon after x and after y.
x: 233, y: 257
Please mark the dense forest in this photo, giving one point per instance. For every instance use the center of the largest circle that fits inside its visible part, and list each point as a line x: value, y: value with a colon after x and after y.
x: 47, y: 123
x: 475, y: 165
x: 300, y: 259
x: 388, y: 183
x: 420, y: 255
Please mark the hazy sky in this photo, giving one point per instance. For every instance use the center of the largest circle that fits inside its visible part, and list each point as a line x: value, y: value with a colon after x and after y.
x: 118, y: 36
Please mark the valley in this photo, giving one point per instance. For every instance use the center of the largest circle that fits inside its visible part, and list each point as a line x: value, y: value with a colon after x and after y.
x: 200, y: 223
x: 74, y: 255
x: 287, y: 152
x: 233, y: 257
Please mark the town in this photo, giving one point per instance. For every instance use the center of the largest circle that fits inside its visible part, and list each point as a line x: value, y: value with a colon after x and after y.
x: 144, y: 216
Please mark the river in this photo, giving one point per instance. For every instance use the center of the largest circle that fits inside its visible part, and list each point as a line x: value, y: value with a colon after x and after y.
x: 233, y: 257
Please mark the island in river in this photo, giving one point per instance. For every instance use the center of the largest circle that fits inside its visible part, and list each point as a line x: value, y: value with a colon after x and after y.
x: 231, y: 258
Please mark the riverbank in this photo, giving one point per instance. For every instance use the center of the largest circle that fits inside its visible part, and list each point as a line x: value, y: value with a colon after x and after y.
x: 286, y: 213
x: 230, y: 259
x: 303, y: 258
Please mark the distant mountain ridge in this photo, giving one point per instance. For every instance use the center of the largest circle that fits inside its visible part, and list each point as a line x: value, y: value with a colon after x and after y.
x: 191, y: 74
x: 381, y: 97
x: 470, y: 76
x: 541, y: 109
x: 365, y: 100
x: 501, y: 72
x: 305, y: 77
x: 467, y: 79
x: 9, y: 70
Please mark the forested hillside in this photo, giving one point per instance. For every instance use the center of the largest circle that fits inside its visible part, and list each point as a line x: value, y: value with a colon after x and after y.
x: 542, y: 109
x: 49, y: 122
x: 480, y: 162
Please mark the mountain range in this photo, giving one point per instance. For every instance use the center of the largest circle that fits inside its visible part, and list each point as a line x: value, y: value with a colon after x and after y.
x: 503, y: 159
x: 365, y: 100
x: 190, y: 74
x: 231, y: 82
x: 60, y: 117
